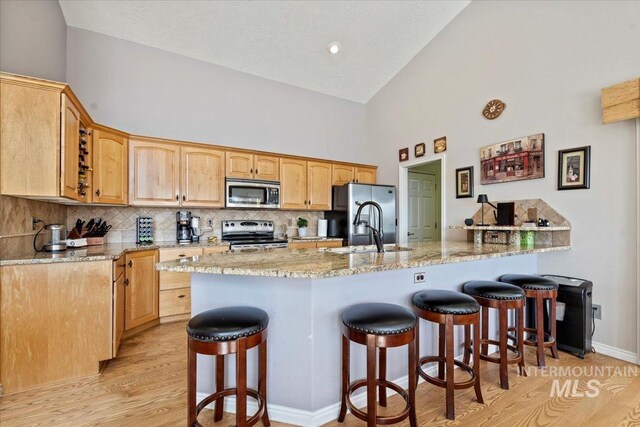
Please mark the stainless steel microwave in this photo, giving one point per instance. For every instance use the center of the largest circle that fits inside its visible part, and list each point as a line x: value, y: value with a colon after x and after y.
x: 251, y: 193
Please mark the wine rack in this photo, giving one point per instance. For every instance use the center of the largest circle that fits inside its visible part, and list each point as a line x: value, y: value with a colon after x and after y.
x: 84, y: 163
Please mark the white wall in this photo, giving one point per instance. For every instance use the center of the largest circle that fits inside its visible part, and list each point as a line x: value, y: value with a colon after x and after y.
x: 148, y: 91
x: 33, y: 37
x: 548, y: 62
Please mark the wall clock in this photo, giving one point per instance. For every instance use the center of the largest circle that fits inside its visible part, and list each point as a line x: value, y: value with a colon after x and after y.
x: 493, y: 109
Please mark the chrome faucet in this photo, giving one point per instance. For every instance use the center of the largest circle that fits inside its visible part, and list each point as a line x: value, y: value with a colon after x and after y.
x: 378, y: 235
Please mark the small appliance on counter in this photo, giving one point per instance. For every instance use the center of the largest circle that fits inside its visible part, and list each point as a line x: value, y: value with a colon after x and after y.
x: 57, y: 238
x: 144, y: 230
x: 322, y: 228
x: 183, y: 227
x: 195, y: 229
x: 91, y: 234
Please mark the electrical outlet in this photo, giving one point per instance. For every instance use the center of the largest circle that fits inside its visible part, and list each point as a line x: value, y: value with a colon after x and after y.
x: 210, y: 223
x: 597, y: 311
x: 419, y: 277
x: 34, y: 223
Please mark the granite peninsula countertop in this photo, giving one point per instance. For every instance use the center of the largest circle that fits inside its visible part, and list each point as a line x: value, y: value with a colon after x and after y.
x: 109, y: 251
x: 324, y: 263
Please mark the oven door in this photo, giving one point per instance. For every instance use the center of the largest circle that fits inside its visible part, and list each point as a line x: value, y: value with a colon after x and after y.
x: 252, y: 194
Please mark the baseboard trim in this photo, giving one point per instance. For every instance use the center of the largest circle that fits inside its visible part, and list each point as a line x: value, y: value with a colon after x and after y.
x: 298, y: 417
x: 617, y: 353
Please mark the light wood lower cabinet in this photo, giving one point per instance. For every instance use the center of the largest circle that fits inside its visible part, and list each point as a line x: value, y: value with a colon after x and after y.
x: 175, y: 301
x: 118, y: 303
x: 312, y: 245
x: 55, y: 322
x: 141, y: 288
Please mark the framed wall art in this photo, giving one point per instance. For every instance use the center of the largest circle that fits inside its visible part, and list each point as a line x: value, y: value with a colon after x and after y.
x: 514, y: 160
x: 440, y: 145
x: 419, y: 150
x: 403, y: 154
x: 574, y: 168
x: 464, y: 182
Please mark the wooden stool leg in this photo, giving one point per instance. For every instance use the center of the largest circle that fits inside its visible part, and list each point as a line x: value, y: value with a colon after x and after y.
x: 476, y: 359
x: 262, y: 381
x: 449, y: 365
x: 552, y: 321
x: 413, y: 383
x: 442, y: 332
x: 371, y: 380
x: 417, y: 362
x: 219, y: 405
x: 382, y: 374
x: 191, y: 387
x: 540, y: 330
x: 467, y: 342
x: 345, y: 377
x: 485, y: 329
x: 504, y: 374
x: 520, y: 340
x: 241, y: 383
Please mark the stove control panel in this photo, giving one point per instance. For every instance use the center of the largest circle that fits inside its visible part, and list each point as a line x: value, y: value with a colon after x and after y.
x: 246, y: 226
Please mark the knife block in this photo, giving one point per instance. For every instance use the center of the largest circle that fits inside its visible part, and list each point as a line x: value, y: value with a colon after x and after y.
x: 95, y: 241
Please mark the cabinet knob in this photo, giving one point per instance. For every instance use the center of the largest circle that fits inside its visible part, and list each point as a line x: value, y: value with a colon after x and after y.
x: 184, y: 198
x: 256, y: 171
x: 251, y: 170
x: 177, y: 197
x: 182, y: 255
x: 181, y: 296
x: 97, y: 192
x: 126, y: 282
x: 130, y: 263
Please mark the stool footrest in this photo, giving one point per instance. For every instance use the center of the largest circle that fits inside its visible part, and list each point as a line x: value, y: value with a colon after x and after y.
x: 442, y: 383
x: 361, y: 415
x: 496, y: 359
x: 231, y: 392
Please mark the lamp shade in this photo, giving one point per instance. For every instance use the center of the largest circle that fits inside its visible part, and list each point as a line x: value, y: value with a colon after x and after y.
x: 482, y: 198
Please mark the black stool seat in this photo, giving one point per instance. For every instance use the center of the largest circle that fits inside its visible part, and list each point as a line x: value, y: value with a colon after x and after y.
x: 527, y: 281
x: 227, y: 323
x: 446, y: 302
x: 379, y: 318
x: 492, y: 290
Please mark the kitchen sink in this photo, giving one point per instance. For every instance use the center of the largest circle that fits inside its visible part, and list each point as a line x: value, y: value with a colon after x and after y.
x: 366, y: 249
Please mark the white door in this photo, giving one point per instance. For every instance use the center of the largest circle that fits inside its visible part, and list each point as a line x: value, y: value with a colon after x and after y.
x: 422, y: 225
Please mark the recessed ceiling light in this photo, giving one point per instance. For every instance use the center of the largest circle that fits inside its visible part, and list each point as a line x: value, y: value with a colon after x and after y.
x: 334, y: 48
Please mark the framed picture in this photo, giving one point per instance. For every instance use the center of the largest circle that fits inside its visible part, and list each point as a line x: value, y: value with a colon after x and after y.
x: 464, y: 182
x: 404, y: 154
x: 440, y: 145
x: 419, y: 149
x: 515, y: 160
x: 574, y: 168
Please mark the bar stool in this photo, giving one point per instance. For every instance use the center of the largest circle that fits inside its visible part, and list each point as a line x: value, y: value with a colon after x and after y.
x: 503, y: 297
x: 378, y: 326
x: 223, y: 331
x: 537, y: 290
x: 447, y: 309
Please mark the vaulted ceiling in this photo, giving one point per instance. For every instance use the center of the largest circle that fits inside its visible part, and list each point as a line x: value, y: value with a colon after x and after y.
x: 286, y: 41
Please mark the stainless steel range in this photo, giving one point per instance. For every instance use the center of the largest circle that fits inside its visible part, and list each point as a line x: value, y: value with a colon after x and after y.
x: 251, y: 234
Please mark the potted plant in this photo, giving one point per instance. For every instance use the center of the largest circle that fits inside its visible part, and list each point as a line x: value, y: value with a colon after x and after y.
x: 302, y: 227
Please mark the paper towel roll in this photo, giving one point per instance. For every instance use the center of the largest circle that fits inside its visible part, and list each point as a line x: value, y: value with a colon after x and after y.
x: 322, y: 228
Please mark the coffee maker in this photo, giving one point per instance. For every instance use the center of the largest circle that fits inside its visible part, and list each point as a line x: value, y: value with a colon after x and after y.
x: 183, y: 227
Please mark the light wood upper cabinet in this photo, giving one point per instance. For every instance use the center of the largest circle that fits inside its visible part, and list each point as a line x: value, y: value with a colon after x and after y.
x: 252, y: 166
x: 266, y: 167
x: 109, y: 167
x: 318, y: 186
x: 239, y: 165
x: 69, y: 149
x: 365, y: 175
x: 141, y: 290
x: 154, y: 173
x: 342, y: 174
x: 202, y: 177
x: 293, y: 184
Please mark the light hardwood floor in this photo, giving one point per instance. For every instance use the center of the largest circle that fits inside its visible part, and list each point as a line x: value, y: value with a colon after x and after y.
x: 145, y: 386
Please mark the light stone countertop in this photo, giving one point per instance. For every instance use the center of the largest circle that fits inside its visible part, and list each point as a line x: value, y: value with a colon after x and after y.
x: 323, y: 263
x: 110, y: 251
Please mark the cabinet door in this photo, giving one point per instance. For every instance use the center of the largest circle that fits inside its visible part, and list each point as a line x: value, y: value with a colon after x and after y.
x: 154, y: 174
x: 266, y: 167
x: 365, y: 175
x: 141, y: 293
x: 69, y: 149
x: 109, y: 168
x: 319, y: 186
x: 202, y: 177
x: 118, y: 312
x: 239, y: 165
x: 293, y: 184
x: 342, y: 174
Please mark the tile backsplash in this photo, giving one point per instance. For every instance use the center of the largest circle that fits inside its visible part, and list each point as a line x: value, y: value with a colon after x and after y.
x: 123, y: 220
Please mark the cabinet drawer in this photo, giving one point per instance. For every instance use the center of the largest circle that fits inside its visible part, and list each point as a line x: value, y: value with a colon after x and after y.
x: 302, y: 245
x: 175, y: 301
x: 176, y: 253
x: 171, y: 280
x: 118, y: 268
x: 215, y: 250
x: 330, y: 244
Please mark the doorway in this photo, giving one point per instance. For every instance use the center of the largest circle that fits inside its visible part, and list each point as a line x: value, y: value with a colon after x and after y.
x: 420, y: 200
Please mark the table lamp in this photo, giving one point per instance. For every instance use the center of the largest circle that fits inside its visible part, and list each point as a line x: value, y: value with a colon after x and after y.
x: 482, y: 198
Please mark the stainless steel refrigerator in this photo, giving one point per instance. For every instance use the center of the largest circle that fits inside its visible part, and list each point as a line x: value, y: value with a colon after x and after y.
x: 346, y: 200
